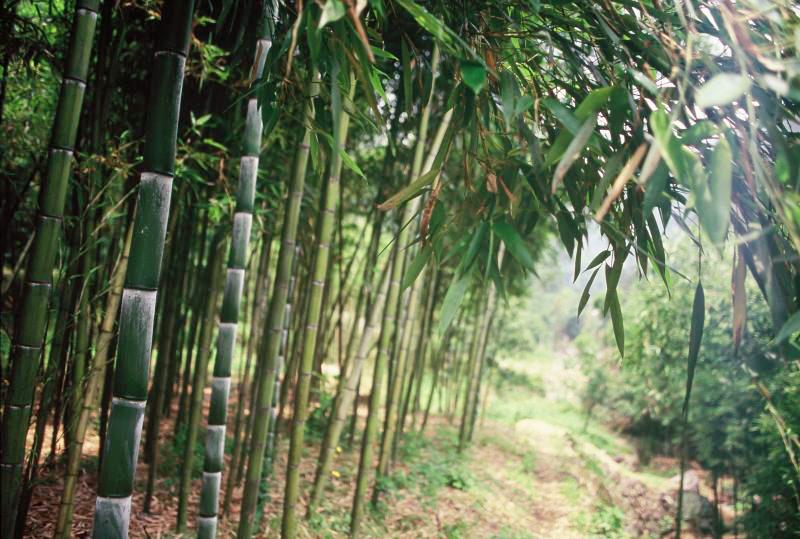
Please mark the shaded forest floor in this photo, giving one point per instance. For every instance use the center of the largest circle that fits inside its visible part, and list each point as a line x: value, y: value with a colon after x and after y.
x: 536, y: 468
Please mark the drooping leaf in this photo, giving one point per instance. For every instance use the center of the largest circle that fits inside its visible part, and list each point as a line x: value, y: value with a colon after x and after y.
x: 332, y: 11
x: 452, y: 301
x: 721, y: 90
x: 593, y: 103
x: 586, y: 292
x: 474, y: 75
x: 573, y: 151
x: 658, y: 249
x: 654, y: 190
x: 514, y: 243
x: 617, y: 323
x: 350, y: 163
x: 699, y: 131
x: 789, y: 328
x: 739, y: 298
x: 475, y: 243
x: 597, y: 260
x: 695, y: 338
x: 567, y: 230
x: 416, y: 266
x: 714, y: 202
x: 562, y: 114
x: 669, y: 146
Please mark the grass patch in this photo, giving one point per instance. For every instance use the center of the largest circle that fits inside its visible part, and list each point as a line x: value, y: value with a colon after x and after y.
x: 571, y: 489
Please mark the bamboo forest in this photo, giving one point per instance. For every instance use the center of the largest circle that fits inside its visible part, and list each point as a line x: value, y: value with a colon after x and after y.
x: 400, y: 268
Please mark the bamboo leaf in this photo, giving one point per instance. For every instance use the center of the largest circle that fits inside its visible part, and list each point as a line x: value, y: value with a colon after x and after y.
x: 452, y: 301
x: 714, y: 201
x: 563, y: 115
x: 474, y: 246
x: 721, y: 90
x: 474, y: 75
x: 790, y: 327
x: 654, y: 190
x: 514, y: 242
x: 739, y: 298
x: 593, y: 102
x: 643, y: 81
x: 695, y: 338
x: 446, y: 37
x: 416, y: 266
x: 617, y: 323
x: 586, y: 291
x: 699, y: 131
x: 408, y: 192
x: 332, y: 11
x: 415, y: 187
x: 599, y: 259
x: 350, y: 163
x: 573, y: 151
x: 659, y: 256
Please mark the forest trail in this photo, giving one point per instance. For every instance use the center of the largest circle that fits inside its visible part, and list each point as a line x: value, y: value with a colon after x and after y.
x: 536, y: 469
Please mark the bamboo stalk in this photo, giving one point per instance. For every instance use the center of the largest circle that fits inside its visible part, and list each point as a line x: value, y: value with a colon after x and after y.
x: 345, y: 396
x: 326, y: 223
x: 93, y: 386
x: 121, y: 450
x: 388, y: 321
x: 30, y: 327
x: 199, y: 377
x: 259, y: 305
x: 273, y: 329
x: 234, y: 284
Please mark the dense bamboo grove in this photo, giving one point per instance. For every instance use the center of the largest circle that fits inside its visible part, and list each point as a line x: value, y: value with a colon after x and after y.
x: 271, y: 215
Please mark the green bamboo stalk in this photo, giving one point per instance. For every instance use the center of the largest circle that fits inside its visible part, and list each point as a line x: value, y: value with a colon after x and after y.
x: 402, y: 358
x: 394, y: 390
x: 388, y: 321
x: 320, y: 350
x: 370, y: 431
x: 472, y: 372
x: 177, y: 326
x: 289, y: 367
x: 272, y: 434
x: 416, y: 371
x: 113, y: 504
x: 167, y: 330
x: 199, y: 378
x: 273, y: 329
x: 424, y: 347
x: 345, y: 396
x: 232, y: 296
x: 484, y: 340
x: 30, y: 327
x: 93, y: 387
x: 477, y: 353
x: 195, y: 312
x: 326, y: 223
x: 259, y: 306
x: 445, y: 352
